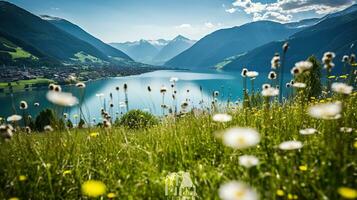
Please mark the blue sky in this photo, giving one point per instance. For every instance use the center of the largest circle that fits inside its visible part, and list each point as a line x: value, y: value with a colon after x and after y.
x: 129, y: 20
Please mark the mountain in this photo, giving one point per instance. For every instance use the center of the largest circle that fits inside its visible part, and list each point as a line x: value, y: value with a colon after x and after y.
x: 224, y: 43
x: 336, y: 32
x: 83, y: 35
x: 16, y: 52
x: 304, y: 23
x: 159, y: 44
x: 42, y: 35
x: 172, y: 49
x: 141, y: 51
x: 155, y: 52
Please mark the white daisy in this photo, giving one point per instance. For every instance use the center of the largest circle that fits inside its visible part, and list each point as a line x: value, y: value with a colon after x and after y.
x: 235, y: 190
x: 14, y: 118
x: 62, y: 98
x: 222, y: 118
x: 248, y: 161
x: 346, y: 129
x: 270, y: 92
x: 326, y: 110
x: 290, y: 145
x: 241, y: 138
x: 299, y: 85
x: 308, y: 131
x: 341, y: 88
x: 252, y: 74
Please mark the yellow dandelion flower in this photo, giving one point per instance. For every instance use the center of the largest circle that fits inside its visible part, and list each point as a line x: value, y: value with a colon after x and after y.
x: 111, y: 195
x: 14, y: 198
x: 343, y: 76
x: 93, y: 188
x: 303, y: 167
x: 96, y: 134
x: 67, y: 172
x: 332, y: 77
x: 355, y: 144
x: 22, y: 178
x: 322, y: 101
x: 280, y: 192
x: 290, y: 196
x: 347, y: 193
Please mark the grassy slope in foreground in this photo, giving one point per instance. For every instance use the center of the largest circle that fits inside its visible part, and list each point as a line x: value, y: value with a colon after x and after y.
x: 133, y: 164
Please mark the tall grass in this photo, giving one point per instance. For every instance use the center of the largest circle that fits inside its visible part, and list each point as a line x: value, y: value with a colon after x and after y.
x: 133, y: 164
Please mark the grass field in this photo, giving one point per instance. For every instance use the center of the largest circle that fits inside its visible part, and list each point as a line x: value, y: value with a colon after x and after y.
x: 133, y: 164
x: 20, y: 85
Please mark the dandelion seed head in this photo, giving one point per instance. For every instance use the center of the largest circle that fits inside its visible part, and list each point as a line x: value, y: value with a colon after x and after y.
x: 275, y: 62
x: 285, y: 47
x: 80, y: 85
x: 57, y: 88
x: 266, y: 86
x: 163, y: 89
x: 27, y: 129
x: 23, y: 105
x: 48, y: 128
x: 345, y: 58
x: 272, y: 75
x: 51, y: 86
x: 244, y: 72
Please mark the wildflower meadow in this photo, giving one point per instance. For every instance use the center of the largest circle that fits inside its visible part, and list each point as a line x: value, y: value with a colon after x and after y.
x: 291, y: 139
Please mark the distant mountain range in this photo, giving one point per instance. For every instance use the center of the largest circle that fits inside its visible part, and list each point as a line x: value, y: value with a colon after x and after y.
x: 28, y: 38
x: 253, y: 45
x: 336, y: 32
x: 155, y: 52
x: 225, y: 43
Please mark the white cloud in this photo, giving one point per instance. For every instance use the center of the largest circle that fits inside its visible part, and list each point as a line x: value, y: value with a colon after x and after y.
x: 231, y: 10
x: 209, y: 25
x: 284, y: 10
x: 183, y: 26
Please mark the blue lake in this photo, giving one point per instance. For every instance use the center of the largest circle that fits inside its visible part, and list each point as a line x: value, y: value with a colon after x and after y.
x: 229, y: 85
